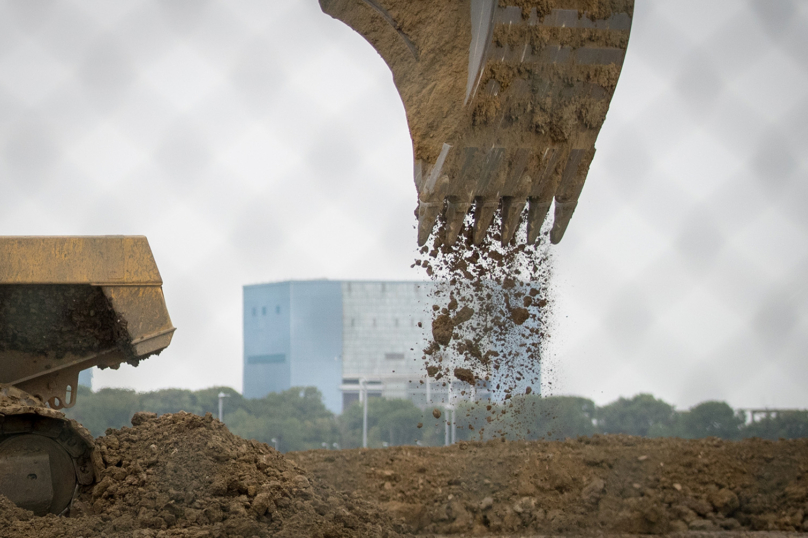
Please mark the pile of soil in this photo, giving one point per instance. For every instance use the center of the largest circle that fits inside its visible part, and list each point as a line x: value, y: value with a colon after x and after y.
x: 186, y: 475
x: 603, y: 484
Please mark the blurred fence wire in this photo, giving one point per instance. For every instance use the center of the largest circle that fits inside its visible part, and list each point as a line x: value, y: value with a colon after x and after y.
x: 246, y: 134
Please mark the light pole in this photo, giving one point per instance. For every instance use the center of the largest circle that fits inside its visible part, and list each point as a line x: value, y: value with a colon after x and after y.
x: 450, y: 433
x: 454, y: 425
x: 222, y: 396
x: 363, y: 386
x: 275, y: 442
x: 446, y: 430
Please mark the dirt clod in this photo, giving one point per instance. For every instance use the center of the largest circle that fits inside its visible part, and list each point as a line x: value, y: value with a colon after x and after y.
x: 465, y: 375
x: 519, y: 315
x: 443, y: 329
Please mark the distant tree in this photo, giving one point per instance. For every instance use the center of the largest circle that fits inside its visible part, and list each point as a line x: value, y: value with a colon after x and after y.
x: 297, y: 418
x: 567, y: 416
x: 107, y: 408
x: 784, y: 425
x: 394, y: 422
x: 551, y: 418
x: 473, y: 422
x: 207, y: 400
x: 712, y: 419
x: 170, y: 401
x: 641, y: 415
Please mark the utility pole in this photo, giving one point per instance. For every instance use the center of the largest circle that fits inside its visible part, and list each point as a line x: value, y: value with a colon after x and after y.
x: 363, y: 385
x: 450, y: 433
x: 454, y: 425
x: 222, y: 396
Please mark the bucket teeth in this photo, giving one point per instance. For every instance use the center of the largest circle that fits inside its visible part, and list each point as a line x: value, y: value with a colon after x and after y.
x: 427, y: 215
x: 563, y: 214
x: 511, y: 216
x: 535, y: 218
x: 495, y: 111
x: 484, y: 211
x: 455, y: 216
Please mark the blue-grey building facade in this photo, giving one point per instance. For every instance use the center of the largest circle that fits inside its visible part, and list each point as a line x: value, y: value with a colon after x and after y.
x: 339, y: 335
x: 86, y: 378
x: 293, y: 337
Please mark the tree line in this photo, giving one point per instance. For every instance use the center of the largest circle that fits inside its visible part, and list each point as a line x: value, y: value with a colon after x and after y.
x: 297, y: 419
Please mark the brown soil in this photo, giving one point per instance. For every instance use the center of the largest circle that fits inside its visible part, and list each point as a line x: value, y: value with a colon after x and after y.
x: 604, y: 484
x: 185, y: 475
x: 58, y: 320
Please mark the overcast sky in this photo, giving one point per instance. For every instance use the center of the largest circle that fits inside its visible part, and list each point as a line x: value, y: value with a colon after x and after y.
x: 256, y: 141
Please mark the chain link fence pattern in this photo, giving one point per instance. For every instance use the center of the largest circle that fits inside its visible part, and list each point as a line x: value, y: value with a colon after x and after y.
x: 255, y: 141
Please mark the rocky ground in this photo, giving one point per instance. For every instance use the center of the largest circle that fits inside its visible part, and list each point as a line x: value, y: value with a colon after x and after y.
x: 603, y: 484
x: 185, y: 475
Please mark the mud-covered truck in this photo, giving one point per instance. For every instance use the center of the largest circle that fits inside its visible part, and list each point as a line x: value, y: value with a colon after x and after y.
x: 66, y: 304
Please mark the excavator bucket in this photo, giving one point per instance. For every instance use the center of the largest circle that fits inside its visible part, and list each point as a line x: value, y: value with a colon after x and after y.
x: 504, y: 100
x: 66, y: 304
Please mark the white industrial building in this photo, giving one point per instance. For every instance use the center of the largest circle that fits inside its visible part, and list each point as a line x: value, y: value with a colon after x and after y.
x: 339, y: 336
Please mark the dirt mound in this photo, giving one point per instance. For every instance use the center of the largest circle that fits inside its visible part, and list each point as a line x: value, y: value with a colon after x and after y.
x: 603, y: 484
x: 185, y: 475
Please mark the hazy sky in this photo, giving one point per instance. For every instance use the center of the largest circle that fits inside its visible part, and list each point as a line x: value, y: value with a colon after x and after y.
x: 254, y: 141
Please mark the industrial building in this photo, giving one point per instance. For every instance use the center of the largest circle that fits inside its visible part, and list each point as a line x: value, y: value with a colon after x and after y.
x: 345, y: 338
x: 336, y: 334
x: 86, y: 378
x: 332, y: 334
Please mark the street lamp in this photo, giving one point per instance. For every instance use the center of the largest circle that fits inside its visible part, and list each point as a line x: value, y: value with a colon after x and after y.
x: 450, y: 435
x: 222, y: 396
x: 275, y: 442
x: 363, y: 386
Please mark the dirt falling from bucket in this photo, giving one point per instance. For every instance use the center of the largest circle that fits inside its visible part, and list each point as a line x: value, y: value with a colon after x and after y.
x: 490, y: 316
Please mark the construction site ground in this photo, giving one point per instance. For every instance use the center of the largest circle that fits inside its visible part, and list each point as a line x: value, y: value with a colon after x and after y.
x: 185, y: 475
x: 602, y: 484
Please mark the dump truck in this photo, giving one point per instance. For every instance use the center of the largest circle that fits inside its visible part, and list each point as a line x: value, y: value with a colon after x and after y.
x: 504, y: 101
x: 66, y: 304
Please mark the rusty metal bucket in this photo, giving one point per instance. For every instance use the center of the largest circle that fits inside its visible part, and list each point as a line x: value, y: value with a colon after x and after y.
x: 71, y: 303
x: 504, y: 100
